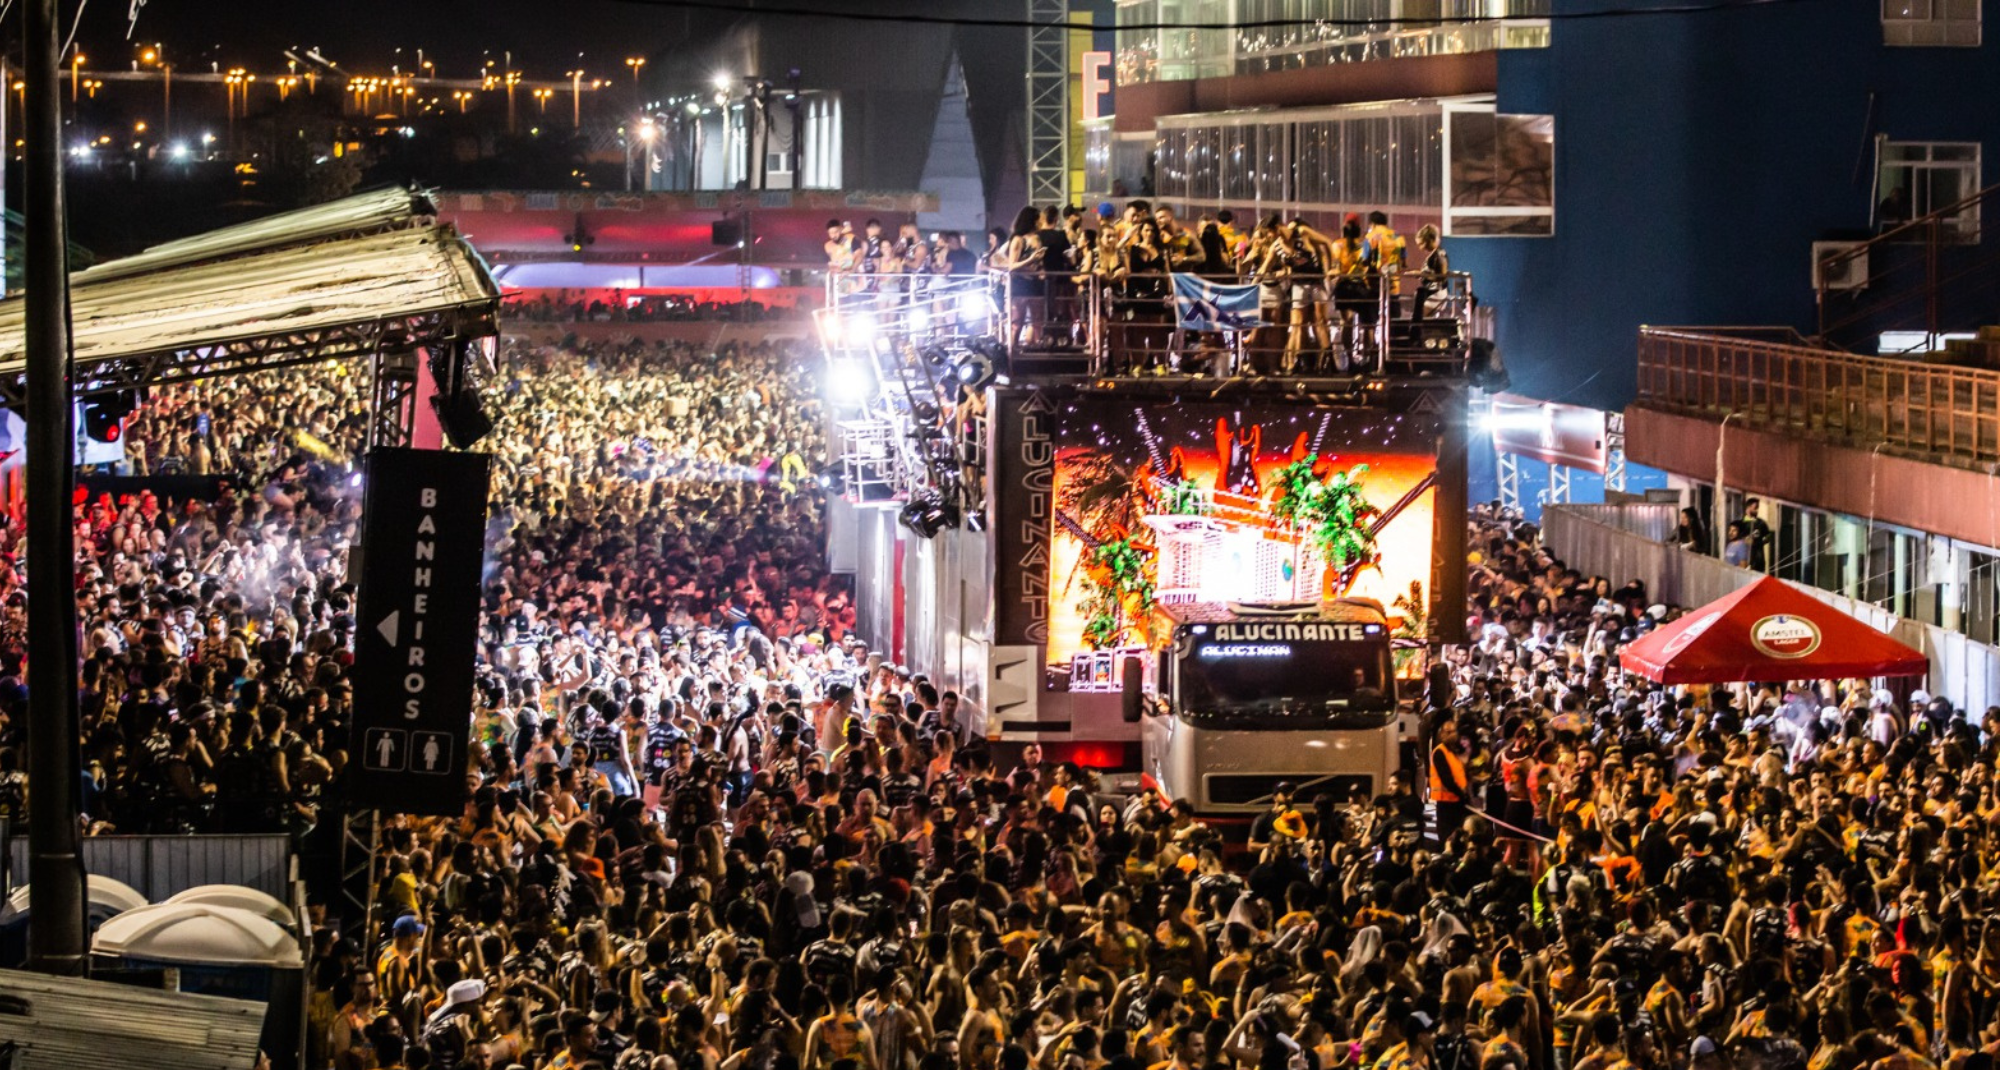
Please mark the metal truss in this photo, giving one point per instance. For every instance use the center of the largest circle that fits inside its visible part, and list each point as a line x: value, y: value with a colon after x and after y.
x: 1614, y: 452
x: 360, y: 843
x: 1509, y: 471
x: 1048, y: 102
x: 260, y: 353
x: 393, y: 414
x: 1558, y: 492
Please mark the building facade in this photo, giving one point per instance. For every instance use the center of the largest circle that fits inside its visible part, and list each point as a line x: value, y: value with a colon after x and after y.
x: 1593, y: 174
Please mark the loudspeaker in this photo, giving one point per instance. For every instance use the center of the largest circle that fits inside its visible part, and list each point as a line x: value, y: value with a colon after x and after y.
x: 462, y: 417
x: 726, y: 232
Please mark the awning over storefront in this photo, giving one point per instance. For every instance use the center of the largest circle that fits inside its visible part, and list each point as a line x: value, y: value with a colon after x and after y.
x: 1769, y: 630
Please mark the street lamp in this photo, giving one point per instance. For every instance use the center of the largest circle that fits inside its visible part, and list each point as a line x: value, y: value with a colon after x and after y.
x: 635, y: 62
x: 513, y: 79
x: 237, y: 77
x: 542, y: 99
x: 75, y: 73
x: 461, y: 96
x: 576, y: 98
x: 155, y: 55
x: 645, y: 133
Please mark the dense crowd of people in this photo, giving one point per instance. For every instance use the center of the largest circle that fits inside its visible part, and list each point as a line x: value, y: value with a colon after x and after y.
x: 710, y: 830
x: 640, y: 493
x: 563, y: 306
x: 1320, y: 296
x: 812, y: 863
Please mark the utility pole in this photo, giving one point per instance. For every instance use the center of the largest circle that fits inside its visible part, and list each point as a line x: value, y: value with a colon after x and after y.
x: 6, y: 150
x: 56, y: 932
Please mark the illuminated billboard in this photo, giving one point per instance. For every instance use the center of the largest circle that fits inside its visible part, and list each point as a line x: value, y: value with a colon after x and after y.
x: 1154, y: 505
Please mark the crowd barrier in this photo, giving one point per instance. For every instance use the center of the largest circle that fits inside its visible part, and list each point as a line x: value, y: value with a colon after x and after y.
x: 160, y: 866
x: 1589, y: 538
x: 699, y: 333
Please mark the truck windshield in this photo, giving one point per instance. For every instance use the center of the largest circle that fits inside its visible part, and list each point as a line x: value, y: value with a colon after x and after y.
x: 1330, y: 682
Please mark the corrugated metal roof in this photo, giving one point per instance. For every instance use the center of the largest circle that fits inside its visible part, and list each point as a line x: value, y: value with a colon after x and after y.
x: 363, y: 213
x: 293, y: 289
x: 63, y: 1023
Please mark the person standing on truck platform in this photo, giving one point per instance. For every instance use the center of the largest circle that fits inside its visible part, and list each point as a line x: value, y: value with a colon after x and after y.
x: 1449, y: 786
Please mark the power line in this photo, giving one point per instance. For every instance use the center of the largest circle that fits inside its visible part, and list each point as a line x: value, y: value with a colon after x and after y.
x: 1699, y: 8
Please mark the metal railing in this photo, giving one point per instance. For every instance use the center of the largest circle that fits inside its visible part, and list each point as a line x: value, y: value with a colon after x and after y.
x: 1127, y: 325
x: 1924, y: 408
x: 1934, y: 273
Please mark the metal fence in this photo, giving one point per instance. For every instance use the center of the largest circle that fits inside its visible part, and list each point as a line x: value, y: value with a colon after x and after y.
x: 160, y: 866
x: 1590, y: 541
x: 1932, y: 409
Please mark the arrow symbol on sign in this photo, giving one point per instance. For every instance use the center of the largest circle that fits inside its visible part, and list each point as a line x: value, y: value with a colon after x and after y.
x: 389, y: 628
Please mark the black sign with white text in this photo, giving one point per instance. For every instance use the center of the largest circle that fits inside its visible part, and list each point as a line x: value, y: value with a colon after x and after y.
x: 1021, y: 478
x: 423, y: 525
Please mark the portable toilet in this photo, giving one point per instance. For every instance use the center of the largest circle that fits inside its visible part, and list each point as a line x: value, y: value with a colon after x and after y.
x: 242, y: 897
x: 107, y: 898
x: 218, y: 951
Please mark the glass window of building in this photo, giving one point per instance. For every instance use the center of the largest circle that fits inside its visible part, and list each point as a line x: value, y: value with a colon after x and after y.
x: 1916, y: 178
x: 1931, y: 23
x: 1500, y: 173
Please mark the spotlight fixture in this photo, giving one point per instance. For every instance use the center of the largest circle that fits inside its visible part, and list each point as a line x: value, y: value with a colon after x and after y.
x: 104, y: 417
x: 928, y: 514
x: 974, y: 371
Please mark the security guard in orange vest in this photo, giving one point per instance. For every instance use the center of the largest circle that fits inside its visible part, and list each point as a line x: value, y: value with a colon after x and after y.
x: 1449, y: 786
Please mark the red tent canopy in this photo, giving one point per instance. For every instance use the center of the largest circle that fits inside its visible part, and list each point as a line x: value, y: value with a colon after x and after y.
x: 1769, y: 630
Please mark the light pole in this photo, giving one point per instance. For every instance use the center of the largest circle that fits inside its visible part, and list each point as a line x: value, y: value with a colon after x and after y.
x: 576, y: 98
x: 75, y: 73
x: 236, y: 77
x: 513, y: 79
x: 542, y: 99
x: 57, y: 944
x: 159, y: 54
x: 461, y: 96
x: 645, y: 135
x: 635, y: 62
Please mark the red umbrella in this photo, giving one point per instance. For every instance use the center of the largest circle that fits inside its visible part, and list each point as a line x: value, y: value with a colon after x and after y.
x: 1769, y: 630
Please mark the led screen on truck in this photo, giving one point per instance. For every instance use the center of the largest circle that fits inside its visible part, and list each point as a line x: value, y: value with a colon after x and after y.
x: 1213, y: 503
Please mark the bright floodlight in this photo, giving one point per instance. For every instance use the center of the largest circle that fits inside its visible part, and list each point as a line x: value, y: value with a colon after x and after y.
x: 179, y: 151
x: 722, y: 80
x: 847, y: 382
x: 861, y: 330
x: 920, y: 321
x: 972, y: 308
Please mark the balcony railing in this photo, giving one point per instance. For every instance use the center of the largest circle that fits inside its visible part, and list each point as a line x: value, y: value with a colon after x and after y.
x: 1922, y: 408
x: 1090, y: 325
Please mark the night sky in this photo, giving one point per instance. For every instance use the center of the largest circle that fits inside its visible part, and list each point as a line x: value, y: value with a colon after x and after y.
x: 544, y: 35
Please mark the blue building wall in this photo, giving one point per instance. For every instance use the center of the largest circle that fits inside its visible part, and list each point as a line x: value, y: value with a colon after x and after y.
x: 1697, y: 159
x: 1483, y: 480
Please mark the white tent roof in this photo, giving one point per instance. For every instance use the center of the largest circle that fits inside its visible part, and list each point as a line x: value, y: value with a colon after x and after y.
x: 262, y: 904
x: 103, y: 892
x: 360, y: 214
x: 281, y: 291
x: 198, y: 934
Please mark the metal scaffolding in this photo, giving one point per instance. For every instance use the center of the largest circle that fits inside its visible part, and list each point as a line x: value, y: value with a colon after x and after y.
x: 1048, y: 102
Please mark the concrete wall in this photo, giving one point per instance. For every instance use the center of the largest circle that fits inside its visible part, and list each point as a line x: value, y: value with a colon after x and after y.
x: 1960, y: 503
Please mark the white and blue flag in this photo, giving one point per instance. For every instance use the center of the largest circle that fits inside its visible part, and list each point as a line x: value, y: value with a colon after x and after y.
x: 1201, y: 305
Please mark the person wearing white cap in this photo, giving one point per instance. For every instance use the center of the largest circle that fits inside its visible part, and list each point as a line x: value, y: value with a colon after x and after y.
x: 1884, y: 725
x: 451, y: 1029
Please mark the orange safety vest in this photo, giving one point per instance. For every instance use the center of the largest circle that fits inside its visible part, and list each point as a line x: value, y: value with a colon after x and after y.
x: 1440, y: 790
